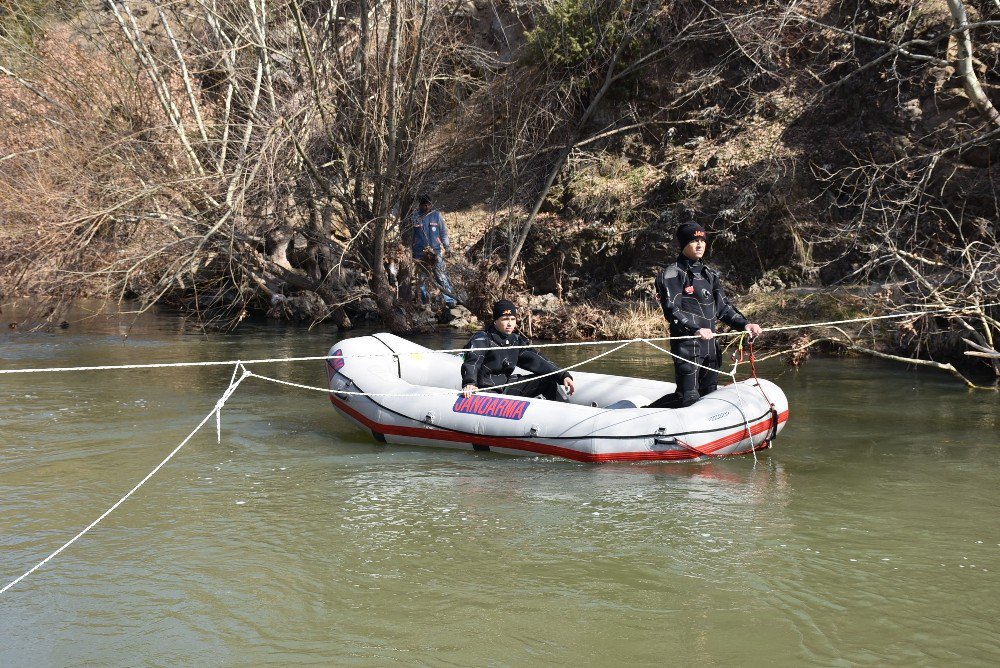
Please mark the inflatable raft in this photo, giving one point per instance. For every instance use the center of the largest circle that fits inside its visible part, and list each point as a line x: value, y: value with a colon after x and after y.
x: 404, y: 393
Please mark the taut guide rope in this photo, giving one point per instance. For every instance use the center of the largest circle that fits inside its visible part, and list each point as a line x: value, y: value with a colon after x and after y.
x: 239, y: 366
x: 167, y: 365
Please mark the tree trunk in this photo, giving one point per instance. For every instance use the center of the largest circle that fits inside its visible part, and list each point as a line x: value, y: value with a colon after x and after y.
x: 392, y: 315
x: 277, y: 242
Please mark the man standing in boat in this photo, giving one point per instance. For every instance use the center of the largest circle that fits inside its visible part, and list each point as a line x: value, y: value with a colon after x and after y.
x: 692, y: 299
x: 494, y: 353
x: 429, y: 242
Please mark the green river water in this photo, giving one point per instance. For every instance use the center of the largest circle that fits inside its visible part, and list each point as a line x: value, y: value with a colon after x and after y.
x: 869, y: 535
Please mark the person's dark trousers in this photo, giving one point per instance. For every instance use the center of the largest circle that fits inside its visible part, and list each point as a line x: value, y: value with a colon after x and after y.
x: 532, y: 386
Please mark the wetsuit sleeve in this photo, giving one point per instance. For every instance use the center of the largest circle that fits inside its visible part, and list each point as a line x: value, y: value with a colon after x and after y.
x: 669, y: 287
x: 535, y: 362
x: 724, y: 310
x: 474, y: 356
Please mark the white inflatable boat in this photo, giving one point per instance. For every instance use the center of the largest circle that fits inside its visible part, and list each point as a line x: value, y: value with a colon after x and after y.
x: 404, y: 393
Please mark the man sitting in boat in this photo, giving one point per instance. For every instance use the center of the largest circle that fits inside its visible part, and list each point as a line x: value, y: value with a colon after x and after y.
x: 494, y: 353
x: 692, y: 299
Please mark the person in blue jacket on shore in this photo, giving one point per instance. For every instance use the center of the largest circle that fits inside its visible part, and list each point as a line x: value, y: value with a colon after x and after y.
x: 429, y: 243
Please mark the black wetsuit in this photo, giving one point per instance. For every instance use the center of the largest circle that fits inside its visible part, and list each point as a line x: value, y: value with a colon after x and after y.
x: 490, y: 361
x: 692, y: 298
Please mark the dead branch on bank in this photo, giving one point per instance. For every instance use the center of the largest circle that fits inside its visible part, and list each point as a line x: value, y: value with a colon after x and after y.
x: 795, y: 356
x: 980, y: 351
x: 965, y: 67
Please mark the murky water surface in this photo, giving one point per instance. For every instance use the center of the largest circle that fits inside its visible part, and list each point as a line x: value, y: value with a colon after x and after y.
x: 868, y: 536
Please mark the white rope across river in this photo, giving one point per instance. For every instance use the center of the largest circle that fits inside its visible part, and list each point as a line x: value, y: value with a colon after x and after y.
x: 314, y: 358
x: 241, y: 373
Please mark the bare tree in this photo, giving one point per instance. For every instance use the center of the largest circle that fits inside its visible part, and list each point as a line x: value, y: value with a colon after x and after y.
x: 265, y: 148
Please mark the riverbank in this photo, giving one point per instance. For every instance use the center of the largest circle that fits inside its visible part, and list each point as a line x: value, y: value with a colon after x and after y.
x: 155, y: 155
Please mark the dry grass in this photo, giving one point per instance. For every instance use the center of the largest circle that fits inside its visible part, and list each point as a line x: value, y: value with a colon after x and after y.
x: 641, y: 320
x: 607, y: 321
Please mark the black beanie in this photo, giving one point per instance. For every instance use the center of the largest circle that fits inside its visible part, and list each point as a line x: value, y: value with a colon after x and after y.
x: 688, y: 232
x: 502, y: 308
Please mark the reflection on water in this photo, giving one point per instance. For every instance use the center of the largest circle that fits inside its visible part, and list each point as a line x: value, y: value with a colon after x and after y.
x: 868, y: 535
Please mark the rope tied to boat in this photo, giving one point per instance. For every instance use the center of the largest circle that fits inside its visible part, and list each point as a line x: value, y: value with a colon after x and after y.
x: 773, y: 431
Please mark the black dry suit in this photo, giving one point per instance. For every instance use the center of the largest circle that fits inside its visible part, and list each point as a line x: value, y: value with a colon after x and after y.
x: 692, y: 298
x: 491, y: 359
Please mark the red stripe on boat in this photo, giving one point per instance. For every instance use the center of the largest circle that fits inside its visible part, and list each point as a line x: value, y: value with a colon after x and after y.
x: 512, y: 443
